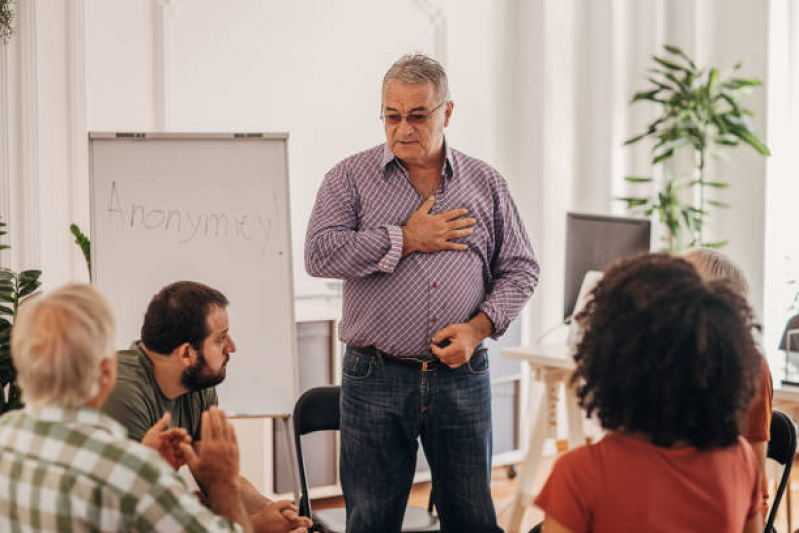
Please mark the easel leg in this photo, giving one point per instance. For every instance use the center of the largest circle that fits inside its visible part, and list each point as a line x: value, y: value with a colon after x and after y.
x: 295, y: 475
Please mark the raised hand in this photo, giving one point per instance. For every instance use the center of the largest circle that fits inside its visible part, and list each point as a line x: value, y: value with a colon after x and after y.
x: 218, y: 461
x: 167, y: 441
x: 428, y: 233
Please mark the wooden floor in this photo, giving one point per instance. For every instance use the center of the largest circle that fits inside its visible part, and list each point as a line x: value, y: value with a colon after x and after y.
x: 502, y: 488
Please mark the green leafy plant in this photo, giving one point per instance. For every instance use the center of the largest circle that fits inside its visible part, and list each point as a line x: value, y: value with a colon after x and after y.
x: 700, y: 112
x: 84, y: 244
x: 6, y: 20
x: 14, y: 290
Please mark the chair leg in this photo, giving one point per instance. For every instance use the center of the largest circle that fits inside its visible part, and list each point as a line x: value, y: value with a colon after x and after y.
x: 788, y: 504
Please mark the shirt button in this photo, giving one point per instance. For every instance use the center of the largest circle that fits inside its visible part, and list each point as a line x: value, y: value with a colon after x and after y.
x: 433, y: 320
x: 435, y: 284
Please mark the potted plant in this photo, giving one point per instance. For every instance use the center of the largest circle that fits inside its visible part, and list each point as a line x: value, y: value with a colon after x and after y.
x: 6, y: 20
x: 700, y: 113
x: 14, y: 289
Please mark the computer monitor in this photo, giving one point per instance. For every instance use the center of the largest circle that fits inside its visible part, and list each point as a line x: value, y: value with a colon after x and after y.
x: 595, y: 241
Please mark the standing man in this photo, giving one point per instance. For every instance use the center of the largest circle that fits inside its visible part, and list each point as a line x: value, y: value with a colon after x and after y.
x: 434, y: 258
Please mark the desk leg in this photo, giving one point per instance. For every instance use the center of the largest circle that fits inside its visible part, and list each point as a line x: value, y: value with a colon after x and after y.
x: 523, y: 497
x: 574, y: 415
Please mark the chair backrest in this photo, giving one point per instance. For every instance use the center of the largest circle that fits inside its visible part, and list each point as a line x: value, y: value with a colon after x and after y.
x: 781, y: 448
x: 316, y: 410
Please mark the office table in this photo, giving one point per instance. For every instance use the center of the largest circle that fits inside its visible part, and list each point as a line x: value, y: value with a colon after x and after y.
x: 552, y: 365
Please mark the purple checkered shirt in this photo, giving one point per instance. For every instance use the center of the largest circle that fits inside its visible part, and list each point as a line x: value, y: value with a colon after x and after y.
x: 398, y: 303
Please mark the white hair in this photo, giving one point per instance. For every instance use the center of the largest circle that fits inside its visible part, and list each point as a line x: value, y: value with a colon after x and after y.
x: 712, y: 265
x: 57, y: 343
x: 419, y: 69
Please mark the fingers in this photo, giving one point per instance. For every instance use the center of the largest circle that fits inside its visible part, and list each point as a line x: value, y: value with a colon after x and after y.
x: 462, y: 222
x: 458, y: 233
x: 188, y: 454
x: 458, y: 247
x: 177, y: 434
x: 453, y: 214
x: 427, y: 205
x: 162, y: 424
x: 211, y: 423
x: 283, y: 505
x: 444, y: 333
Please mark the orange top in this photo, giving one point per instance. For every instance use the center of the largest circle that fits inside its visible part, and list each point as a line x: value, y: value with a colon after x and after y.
x: 758, y: 420
x: 623, y: 484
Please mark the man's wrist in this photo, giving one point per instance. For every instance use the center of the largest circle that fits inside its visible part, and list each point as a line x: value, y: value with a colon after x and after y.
x: 481, y: 326
x: 406, y: 244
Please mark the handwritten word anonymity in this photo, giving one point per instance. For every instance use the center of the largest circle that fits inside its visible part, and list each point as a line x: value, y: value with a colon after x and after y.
x: 188, y: 225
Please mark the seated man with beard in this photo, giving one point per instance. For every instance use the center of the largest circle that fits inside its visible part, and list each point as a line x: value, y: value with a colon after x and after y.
x: 168, y: 377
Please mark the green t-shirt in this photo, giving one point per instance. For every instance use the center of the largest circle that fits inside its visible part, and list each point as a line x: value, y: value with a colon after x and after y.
x: 138, y: 403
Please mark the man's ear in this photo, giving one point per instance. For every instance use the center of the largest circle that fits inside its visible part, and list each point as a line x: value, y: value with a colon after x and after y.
x: 185, y: 353
x: 448, y: 112
x: 108, y: 372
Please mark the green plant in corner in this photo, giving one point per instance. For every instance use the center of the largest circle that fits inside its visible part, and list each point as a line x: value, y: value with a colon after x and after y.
x: 700, y: 112
x: 6, y: 20
x: 14, y: 290
x: 84, y: 244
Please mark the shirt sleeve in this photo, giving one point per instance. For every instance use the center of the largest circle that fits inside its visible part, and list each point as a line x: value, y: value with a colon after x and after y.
x: 564, y: 496
x: 514, y: 268
x: 128, y: 406
x: 758, y: 419
x: 334, y: 246
x: 169, y: 506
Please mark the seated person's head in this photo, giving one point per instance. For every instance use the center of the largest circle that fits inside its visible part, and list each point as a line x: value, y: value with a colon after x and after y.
x: 712, y: 264
x: 188, y: 316
x: 62, y: 345
x: 666, y: 354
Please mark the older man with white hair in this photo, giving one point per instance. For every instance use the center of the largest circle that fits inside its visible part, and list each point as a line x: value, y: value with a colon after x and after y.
x: 66, y: 466
x: 434, y: 258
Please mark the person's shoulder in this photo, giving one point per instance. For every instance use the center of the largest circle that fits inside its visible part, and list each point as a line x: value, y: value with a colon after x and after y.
x: 369, y: 159
x: 477, y: 169
x: 582, y: 464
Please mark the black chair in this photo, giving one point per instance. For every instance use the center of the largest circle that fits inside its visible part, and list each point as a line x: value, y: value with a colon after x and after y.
x: 781, y: 448
x: 318, y: 410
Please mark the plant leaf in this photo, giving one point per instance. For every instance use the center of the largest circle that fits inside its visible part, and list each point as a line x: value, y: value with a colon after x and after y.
x: 637, y: 179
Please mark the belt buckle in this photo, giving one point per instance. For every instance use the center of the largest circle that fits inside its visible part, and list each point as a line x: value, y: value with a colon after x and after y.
x: 424, y: 366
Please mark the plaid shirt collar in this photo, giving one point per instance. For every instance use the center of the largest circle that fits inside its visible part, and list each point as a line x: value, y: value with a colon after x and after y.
x: 388, y: 157
x: 84, y: 416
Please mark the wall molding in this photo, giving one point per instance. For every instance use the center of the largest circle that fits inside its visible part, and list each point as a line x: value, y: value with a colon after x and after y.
x: 25, y: 218
x: 6, y: 138
x: 163, y: 20
x: 438, y: 21
x: 77, y: 130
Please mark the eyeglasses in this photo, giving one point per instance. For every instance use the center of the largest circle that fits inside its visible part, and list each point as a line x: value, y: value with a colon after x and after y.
x: 414, y: 119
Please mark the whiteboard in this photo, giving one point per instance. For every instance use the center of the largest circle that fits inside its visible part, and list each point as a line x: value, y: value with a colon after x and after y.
x: 212, y: 208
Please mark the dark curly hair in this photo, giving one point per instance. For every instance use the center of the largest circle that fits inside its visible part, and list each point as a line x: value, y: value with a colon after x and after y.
x: 666, y: 354
x: 178, y: 314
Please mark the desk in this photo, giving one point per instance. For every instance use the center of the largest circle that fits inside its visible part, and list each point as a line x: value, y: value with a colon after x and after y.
x: 552, y: 365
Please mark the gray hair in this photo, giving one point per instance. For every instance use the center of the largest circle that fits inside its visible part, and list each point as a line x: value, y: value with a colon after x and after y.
x: 419, y: 69
x: 57, y: 343
x: 712, y: 265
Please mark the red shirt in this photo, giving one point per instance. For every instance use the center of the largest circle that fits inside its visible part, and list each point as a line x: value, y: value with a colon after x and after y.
x: 623, y: 484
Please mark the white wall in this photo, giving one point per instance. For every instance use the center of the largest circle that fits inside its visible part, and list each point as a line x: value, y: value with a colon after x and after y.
x: 540, y: 90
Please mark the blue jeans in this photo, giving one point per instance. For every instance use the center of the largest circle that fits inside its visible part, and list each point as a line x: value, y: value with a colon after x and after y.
x: 385, y: 407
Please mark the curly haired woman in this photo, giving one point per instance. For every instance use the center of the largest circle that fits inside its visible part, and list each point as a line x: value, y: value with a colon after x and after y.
x: 668, y: 364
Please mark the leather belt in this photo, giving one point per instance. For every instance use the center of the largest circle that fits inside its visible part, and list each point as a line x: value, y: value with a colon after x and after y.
x: 425, y: 365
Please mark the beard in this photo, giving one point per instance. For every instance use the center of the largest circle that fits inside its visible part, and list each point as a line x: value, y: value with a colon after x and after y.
x: 199, y: 375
